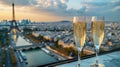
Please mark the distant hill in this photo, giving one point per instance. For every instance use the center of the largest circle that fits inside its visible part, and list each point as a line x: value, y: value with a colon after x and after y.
x: 65, y: 21
x: 112, y: 21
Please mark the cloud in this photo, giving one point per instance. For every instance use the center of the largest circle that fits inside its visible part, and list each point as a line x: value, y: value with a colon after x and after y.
x: 56, y: 7
x: 105, y: 8
x: 64, y: 1
x: 50, y: 4
x: 17, y: 2
x: 60, y: 7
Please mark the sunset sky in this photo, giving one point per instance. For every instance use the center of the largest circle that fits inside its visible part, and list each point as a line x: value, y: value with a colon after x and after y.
x: 57, y: 10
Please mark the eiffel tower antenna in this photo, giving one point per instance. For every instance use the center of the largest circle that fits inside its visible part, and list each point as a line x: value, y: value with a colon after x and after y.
x: 13, y: 11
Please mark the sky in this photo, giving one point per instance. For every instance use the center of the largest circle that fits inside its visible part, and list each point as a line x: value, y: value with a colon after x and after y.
x: 57, y: 10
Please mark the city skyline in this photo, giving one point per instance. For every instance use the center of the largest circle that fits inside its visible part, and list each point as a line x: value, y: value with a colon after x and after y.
x: 57, y: 10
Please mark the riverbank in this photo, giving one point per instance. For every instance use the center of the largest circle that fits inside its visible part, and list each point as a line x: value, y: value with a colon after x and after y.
x: 58, y: 53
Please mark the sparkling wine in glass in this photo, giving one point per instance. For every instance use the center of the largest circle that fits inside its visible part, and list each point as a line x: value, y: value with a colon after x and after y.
x: 79, y: 29
x: 97, y: 34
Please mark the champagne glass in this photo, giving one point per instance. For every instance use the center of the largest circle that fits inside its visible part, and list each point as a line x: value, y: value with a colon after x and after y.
x: 79, y: 29
x: 97, y: 34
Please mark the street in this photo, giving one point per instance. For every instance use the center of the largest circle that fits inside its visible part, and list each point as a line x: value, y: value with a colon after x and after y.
x: 8, y: 59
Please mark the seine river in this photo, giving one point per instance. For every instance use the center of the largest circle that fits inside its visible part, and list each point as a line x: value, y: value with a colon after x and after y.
x: 38, y: 57
x: 35, y: 57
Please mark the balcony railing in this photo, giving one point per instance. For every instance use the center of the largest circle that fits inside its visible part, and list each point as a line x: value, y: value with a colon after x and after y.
x: 83, y: 58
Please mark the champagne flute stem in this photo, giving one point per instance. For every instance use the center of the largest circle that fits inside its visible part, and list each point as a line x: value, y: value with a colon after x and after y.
x: 96, y: 51
x: 79, y: 58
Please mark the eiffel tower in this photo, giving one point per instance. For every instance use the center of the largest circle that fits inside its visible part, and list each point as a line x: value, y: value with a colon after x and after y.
x: 13, y: 22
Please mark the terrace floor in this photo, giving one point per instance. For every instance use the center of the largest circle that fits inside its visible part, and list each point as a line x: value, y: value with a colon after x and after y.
x: 109, y: 60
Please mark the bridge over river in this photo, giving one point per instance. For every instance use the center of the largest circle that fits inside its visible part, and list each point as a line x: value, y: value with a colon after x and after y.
x: 27, y: 47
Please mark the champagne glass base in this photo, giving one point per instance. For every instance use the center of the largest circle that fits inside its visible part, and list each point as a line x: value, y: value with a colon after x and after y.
x: 96, y: 65
x: 78, y: 65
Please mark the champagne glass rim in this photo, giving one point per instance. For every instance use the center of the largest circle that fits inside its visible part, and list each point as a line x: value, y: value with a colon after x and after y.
x: 97, y: 18
x: 77, y: 19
